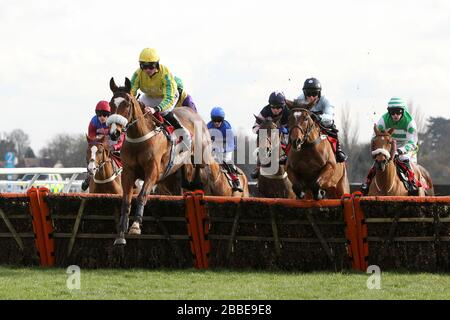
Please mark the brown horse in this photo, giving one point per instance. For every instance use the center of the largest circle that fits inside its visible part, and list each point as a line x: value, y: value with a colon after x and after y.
x: 311, y: 163
x: 216, y: 182
x: 277, y: 184
x: 386, y: 181
x: 147, y: 153
x: 104, y: 172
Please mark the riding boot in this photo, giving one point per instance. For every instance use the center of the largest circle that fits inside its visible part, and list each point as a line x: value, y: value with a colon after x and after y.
x: 340, y: 155
x: 365, y: 186
x: 413, y: 189
x: 85, y: 183
x: 232, y: 170
x: 255, y: 173
x: 173, y: 120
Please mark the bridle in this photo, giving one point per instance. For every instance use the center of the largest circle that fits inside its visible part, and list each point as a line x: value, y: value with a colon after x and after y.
x: 129, y: 122
x: 388, y: 154
x: 93, y: 171
x: 305, y: 132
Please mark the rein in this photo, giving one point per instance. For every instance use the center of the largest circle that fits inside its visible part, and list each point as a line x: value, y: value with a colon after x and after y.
x: 147, y: 136
x: 304, y: 141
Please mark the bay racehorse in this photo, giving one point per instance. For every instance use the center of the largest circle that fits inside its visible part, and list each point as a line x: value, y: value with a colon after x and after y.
x: 386, y: 181
x: 148, y: 153
x: 216, y: 181
x: 272, y: 184
x: 311, y: 163
x: 104, y: 170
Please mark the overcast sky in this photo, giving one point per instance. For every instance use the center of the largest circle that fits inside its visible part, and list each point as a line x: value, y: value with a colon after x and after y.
x: 57, y: 56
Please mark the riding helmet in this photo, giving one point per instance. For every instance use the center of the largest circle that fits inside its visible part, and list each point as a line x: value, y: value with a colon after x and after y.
x: 277, y: 98
x: 103, y: 106
x: 312, y: 85
x: 148, y: 55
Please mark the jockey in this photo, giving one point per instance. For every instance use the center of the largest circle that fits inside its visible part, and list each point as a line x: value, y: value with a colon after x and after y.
x: 185, y: 98
x: 405, y: 134
x: 277, y: 107
x: 98, y: 128
x: 159, y: 88
x: 324, y: 111
x: 222, y: 137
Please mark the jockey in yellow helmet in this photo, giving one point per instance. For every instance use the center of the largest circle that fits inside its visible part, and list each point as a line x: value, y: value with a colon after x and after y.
x: 160, y: 92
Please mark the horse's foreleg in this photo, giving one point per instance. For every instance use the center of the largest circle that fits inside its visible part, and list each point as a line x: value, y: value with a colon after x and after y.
x: 297, y: 185
x: 149, y: 181
x: 127, y: 184
x: 324, y: 181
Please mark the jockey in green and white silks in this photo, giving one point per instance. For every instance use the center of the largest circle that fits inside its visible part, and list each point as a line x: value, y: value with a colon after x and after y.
x: 405, y: 132
x: 405, y: 135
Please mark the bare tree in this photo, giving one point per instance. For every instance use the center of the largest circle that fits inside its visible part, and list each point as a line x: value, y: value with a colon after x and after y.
x: 70, y: 150
x: 418, y: 116
x: 21, y: 142
x: 349, y: 128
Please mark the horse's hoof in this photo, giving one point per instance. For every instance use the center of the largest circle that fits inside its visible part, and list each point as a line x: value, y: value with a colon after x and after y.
x: 135, y: 228
x: 120, y: 242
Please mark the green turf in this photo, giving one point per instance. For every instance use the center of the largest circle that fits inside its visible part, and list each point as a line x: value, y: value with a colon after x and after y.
x: 38, y: 283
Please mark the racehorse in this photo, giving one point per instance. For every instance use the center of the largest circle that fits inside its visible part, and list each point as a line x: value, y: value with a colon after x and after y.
x: 216, y: 181
x: 311, y: 164
x: 386, y: 181
x: 147, y: 153
x: 103, y: 169
x: 277, y: 184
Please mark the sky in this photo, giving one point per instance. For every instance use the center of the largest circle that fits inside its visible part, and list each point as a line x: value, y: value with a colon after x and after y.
x: 57, y: 56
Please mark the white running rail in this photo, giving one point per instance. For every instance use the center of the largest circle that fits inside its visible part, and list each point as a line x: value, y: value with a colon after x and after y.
x: 67, y: 185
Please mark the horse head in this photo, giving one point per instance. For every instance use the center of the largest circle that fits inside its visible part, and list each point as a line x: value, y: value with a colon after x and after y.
x: 301, y: 127
x: 266, y: 134
x: 124, y: 109
x: 383, y: 147
x: 97, y: 154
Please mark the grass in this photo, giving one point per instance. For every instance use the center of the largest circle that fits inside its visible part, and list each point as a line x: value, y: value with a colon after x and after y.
x: 38, y: 283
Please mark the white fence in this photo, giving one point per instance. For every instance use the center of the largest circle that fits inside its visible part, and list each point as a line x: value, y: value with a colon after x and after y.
x: 55, y: 185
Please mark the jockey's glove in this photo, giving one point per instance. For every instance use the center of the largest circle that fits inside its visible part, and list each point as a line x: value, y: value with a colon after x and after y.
x: 400, y: 151
x: 283, y: 130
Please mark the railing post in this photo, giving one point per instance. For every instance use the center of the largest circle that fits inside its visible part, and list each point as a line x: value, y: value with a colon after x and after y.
x: 362, y: 231
x: 351, y: 231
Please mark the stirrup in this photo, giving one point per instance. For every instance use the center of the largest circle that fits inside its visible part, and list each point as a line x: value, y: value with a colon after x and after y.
x: 255, y: 173
x: 237, y: 187
x: 85, y: 184
x: 364, y: 188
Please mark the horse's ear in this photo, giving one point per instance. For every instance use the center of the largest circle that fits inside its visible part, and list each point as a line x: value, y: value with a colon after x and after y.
x: 103, y: 140
x: 390, y: 131
x: 88, y: 139
x: 259, y: 119
x: 375, y: 129
x: 310, y: 105
x: 128, y: 85
x: 112, y: 85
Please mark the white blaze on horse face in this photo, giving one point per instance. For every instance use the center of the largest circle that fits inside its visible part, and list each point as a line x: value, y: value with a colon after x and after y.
x: 297, y: 115
x: 118, y: 101
x: 91, y: 166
